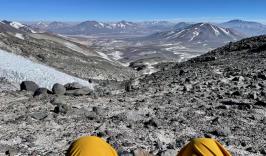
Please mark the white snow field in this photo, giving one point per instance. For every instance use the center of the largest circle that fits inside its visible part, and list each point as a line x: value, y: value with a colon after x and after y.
x: 17, y: 69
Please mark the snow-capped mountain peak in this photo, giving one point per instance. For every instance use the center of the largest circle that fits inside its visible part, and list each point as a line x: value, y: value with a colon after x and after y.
x: 19, y: 26
x: 198, y: 33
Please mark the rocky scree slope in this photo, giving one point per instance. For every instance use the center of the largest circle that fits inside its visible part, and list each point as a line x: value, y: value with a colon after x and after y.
x: 221, y: 94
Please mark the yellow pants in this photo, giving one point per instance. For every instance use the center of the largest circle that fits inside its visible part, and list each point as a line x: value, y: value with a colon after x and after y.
x: 94, y: 146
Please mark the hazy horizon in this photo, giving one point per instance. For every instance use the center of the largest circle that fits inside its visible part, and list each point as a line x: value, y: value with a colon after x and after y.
x: 159, y: 20
x: 117, y: 10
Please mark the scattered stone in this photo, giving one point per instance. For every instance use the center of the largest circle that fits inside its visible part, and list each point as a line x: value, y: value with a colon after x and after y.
x: 73, y: 86
x: 263, y: 151
x: 41, y: 91
x: 91, y: 115
x: 59, y: 89
x: 29, y: 86
x: 222, y: 132
x: 98, y: 110
x: 241, y: 104
x: 181, y: 72
x: 216, y: 121
x: 141, y: 152
x: 128, y: 86
x: 237, y: 78
x: 79, y: 92
x: 151, y: 123
x: 138, y: 66
x: 222, y: 107
x: 187, y: 87
x: 11, y: 152
x: 124, y: 153
x: 58, y: 100
x: 61, y: 108
x: 169, y: 153
x: 261, y: 103
x: 39, y: 115
x: 236, y: 93
x: 262, y: 76
x: 253, y: 95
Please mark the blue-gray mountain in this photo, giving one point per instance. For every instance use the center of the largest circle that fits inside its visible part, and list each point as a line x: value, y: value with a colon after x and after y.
x: 204, y: 34
x: 95, y: 27
x: 246, y: 27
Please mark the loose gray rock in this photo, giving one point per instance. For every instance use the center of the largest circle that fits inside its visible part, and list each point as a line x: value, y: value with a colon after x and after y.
x: 187, y: 87
x: 79, y: 92
x: 261, y: 75
x: 58, y: 100
x: 169, y: 153
x: 61, y: 109
x: 11, y: 152
x: 222, y: 132
x: 29, y: 86
x: 73, y: 86
x: 41, y: 91
x: 39, y: 115
x: 59, y: 89
x: 141, y: 152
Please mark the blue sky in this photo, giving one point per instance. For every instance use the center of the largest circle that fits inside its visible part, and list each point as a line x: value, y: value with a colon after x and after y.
x: 133, y: 10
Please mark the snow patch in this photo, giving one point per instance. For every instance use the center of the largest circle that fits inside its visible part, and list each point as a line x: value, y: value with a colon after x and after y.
x: 101, y: 24
x: 74, y: 47
x: 184, y: 56
x: 147, y: 53
x: 16, y: 69
x: 16, y: 25
x: 195, y: 34
x: 150, y: 68
x: 175, y: 47
x: 216, y: 31
x: 225, y: 31
x: 103, y: 55
x: 175, y: 35
x: 116, y: 55
x: 20, y: 36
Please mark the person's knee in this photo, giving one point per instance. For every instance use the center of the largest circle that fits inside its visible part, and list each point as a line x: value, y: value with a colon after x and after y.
x: 94, y: 146
x: 90, y: 146
x: 204, y: 147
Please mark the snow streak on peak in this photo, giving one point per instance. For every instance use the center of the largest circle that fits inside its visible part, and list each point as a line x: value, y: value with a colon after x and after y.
x: 16, y: 25
x: 215, y: 30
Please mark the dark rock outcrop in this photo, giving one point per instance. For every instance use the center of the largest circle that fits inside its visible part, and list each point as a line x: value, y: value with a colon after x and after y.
x: 29, y: 86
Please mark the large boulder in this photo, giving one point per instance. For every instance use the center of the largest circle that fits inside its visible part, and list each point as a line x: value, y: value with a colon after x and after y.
x: 73, y: 86
x: 59, y: 89
x: 29, y: 86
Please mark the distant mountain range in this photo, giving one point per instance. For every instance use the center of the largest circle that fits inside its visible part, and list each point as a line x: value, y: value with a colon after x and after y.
x: 141, y: 28
x: 246, y: 27
x: 14, y: 27
x: 197, y: 34
x: 95, y: 27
